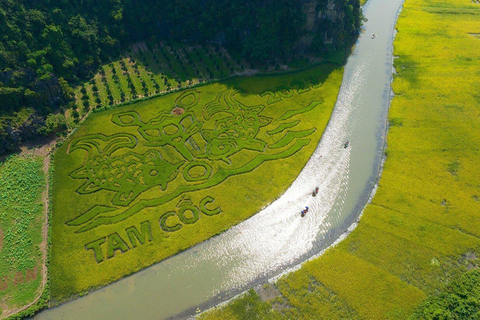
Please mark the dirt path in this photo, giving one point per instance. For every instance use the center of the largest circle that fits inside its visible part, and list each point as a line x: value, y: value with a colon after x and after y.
x: 44, y: 152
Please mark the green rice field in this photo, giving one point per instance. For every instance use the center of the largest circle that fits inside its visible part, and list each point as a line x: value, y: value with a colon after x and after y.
x: 142, y: 182
x: 422, y: 228
x: 22, y: 217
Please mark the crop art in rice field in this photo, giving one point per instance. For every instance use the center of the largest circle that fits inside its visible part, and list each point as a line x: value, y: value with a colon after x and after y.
x: 190, y: 148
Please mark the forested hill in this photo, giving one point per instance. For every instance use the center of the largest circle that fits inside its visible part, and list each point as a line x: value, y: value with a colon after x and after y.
x: 47, y: 46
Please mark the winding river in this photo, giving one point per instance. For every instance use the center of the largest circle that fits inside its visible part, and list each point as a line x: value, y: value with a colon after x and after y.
x: 277, y: 238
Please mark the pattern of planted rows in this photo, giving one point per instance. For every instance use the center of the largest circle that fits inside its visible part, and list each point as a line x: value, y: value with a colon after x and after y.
x: 151, y: 69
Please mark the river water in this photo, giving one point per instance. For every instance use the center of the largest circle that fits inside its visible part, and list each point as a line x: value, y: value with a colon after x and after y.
x: 276, y: 238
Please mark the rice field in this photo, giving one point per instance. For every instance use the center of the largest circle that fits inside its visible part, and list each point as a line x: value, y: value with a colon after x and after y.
x: 22, y: 216
x: 141, y: 182
x: 422, y: 228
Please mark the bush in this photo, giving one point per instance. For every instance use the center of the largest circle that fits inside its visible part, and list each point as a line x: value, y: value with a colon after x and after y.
x: 55, y: 123
x: 459, y: 300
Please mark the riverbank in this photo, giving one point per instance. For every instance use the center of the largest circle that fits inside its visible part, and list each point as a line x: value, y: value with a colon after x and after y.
x: 422, y: 226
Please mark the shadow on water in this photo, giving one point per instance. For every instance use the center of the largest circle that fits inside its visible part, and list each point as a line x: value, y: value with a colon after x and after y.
x: 190, y: 62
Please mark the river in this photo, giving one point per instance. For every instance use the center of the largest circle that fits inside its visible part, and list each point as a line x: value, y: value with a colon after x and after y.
x: 277, y: 238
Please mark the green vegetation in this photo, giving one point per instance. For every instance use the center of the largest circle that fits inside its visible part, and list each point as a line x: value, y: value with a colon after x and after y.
x: 153, y: 69
x: 423, y: 226
x: 49, y: 47
x: 149, y: 70
x: 459, y: 300
x: 139, y: 183
x: 22, y: 215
